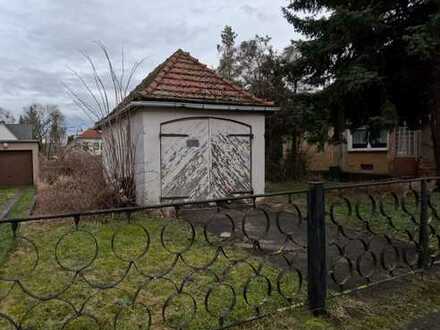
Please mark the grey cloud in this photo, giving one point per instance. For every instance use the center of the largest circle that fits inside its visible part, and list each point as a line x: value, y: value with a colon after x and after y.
x: 250, y: 10
x: 40, y: 39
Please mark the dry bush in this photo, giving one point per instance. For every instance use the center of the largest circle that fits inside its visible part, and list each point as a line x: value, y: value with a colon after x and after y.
x: 74, y: 182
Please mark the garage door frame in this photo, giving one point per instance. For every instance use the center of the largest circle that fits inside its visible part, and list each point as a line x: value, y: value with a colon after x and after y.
x: 162, y: 134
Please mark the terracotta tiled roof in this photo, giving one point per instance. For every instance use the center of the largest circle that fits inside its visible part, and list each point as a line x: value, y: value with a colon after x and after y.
x: 90, y: 134
x: 183, y: 78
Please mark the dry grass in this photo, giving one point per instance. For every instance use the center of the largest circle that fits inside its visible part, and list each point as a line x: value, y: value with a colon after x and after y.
x: 74, y: 182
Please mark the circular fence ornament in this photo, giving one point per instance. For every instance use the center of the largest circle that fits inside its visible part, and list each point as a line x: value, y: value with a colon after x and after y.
x: 138, y: 236
x: 20, y: 266
x: 222, y: 295
x: 168, y: 242
x: 76, y: 251
x: 136, y: 316
x: 289, y: 284
x: 179, y: 310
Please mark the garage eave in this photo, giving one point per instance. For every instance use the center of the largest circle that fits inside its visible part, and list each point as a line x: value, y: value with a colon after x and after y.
x: 18, y: 141
x: 189, y: 106
x: 204, y: 106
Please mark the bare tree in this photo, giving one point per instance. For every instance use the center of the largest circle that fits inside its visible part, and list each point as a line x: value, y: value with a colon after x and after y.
x: 47, y: 124
x: 56, y: 133
x: 6, y: 116
x: 98, y: 98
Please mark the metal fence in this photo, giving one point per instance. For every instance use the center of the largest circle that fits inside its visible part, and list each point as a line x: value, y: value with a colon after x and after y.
x: 218, y: 263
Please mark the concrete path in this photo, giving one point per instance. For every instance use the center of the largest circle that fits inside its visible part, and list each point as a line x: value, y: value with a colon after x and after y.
x: 275, y: 232
x: 429, y: 322
x: 10, y: 203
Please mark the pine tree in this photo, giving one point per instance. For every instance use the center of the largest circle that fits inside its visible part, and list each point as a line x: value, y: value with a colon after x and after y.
x: 369, y: 56
x: 227, y: 50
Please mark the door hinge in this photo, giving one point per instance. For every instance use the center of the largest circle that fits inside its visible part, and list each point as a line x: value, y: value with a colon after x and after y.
x: 173, y: 135
x: 242, y: 135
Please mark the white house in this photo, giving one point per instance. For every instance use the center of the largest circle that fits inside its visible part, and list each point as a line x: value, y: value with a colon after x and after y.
x: 90, y: 140
x: 197, y: 135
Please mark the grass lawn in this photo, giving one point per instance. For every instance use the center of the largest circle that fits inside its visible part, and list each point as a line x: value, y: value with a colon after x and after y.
x: 384, y: 308
x: 133, y: 265
x: 394, y: 214
x: 390, y: 306
x: 286, y: 186
x: 23, y: 206
x: 151, y: 280
x: 20, y: 209
x: 5, y: 194
x: 5, y: 233
x: 387, y: 215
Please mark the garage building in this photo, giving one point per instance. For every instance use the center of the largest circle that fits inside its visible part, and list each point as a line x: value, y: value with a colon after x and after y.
x: 18, y: 155
x: 197, y: 135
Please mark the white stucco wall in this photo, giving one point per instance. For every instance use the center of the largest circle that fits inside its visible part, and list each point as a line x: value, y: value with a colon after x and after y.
x: 145, y: 128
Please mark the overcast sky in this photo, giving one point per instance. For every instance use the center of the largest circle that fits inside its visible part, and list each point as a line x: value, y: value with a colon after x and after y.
x: 40, y: 39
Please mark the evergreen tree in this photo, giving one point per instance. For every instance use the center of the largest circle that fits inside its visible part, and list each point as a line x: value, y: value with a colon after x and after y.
x: 227, y: 50
x: 371, y: 58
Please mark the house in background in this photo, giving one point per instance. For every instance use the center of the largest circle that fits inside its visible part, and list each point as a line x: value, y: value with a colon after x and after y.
x: 401, y: 152
x: 197, y: 135
x: 90, y: 140
x: 18, y: 155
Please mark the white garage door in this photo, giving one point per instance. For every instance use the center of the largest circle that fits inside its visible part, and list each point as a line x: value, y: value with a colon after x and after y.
x: 205, y: 158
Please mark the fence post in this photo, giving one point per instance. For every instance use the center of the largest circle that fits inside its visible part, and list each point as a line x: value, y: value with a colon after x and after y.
x: 316, y: 248
x: 423, y: 260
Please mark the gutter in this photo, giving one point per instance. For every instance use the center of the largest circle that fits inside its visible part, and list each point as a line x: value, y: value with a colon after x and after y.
x: 18, y: 141
x: 206, y: 106
x: 190, y: 105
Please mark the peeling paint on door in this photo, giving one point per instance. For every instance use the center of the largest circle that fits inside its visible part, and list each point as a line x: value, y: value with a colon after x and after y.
x: 231, y: 158
x: 184, y: 166
x: 205, y: 158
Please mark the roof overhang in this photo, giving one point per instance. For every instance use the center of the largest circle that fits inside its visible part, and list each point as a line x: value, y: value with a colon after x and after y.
x: 190, y: 106
x: 18, y: 141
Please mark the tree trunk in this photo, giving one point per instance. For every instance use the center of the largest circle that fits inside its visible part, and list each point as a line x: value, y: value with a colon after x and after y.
x: 435, y: 115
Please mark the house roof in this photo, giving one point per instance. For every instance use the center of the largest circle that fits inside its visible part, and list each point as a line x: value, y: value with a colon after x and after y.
x: 90, y: 134
x: 183, y: 78
x: 20, y: 131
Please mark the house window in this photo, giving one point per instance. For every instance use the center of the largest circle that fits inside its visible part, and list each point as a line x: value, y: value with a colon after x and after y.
x: 360, y: 139
x: 407, y: 142
x: 363, y: 140
x: 379, y: 139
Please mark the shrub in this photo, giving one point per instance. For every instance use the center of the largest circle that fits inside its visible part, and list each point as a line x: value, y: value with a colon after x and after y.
x: 74, y: 182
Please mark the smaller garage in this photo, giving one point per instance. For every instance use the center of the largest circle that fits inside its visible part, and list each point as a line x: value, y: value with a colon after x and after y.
x: 18, y: 155
x: 196, y: 135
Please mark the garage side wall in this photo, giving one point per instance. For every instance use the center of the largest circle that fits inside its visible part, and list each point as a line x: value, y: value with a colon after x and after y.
x: 134, y: 125
x: 152, y: 120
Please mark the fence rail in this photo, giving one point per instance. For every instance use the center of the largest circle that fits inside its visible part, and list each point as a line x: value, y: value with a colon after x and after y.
x: 221, y: 262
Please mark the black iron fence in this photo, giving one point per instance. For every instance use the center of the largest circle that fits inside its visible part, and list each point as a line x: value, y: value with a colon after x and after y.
x: 217, y: 263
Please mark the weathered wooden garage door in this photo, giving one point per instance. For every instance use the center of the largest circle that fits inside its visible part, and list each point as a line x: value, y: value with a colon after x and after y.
x: 205, y: 158
x: 16, y: 168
